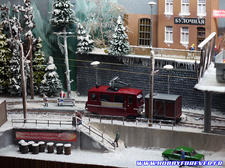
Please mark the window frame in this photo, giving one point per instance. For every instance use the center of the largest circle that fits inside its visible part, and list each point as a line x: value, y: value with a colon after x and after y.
x: 170, y: 32
x: 145, y: 31
x: 186, y: 4
x: 203, y: 7
x: 169, y: 4
x: 186, y: 33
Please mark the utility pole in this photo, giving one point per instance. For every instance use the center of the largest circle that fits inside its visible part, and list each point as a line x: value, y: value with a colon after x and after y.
x: 152, y: 63
x: 64, y: 35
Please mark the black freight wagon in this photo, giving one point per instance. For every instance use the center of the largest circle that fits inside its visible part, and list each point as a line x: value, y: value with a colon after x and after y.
x: 165, y: 106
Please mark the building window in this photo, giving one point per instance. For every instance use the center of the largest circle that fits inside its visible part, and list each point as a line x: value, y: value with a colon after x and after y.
x: 168, y: 34
x: 201, y: 34
x: 144, y: 32
x: 201, y: 8
x: 184, y: 35
x: 169, y: 7
x: 185, y: 7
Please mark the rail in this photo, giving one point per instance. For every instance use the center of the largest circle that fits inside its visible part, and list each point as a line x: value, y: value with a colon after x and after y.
x: 166, y: 52
x: 95, y: 131
x: 161, y: 122
x: 207, y: 48
x: 46, y: 122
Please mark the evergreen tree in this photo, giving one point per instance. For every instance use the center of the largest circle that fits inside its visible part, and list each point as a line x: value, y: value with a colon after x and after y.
x: 119, y: 45
x: 50, y: 85
x: 38, y: 66
x: 14, y: 87
x: 85, y: 44
x: 4, y: 61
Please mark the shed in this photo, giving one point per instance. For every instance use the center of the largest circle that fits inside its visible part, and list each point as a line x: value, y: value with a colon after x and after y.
x: 165, y: 106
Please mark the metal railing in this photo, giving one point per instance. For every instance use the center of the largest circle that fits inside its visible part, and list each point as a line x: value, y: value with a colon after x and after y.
x: 96, y: 132
x: 42, y: 122
x: 207, y: 48
x: 166, y: 53
x: 161, y: 122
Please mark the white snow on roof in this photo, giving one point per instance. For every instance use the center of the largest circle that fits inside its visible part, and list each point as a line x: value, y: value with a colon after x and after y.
x: 209, y: 83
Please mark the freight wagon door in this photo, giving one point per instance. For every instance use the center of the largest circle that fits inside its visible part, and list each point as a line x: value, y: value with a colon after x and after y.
x: 159, y: 108
x: 170, y: 109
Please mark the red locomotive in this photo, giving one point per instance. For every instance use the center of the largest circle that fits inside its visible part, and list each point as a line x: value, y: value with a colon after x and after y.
x: 115, y: 101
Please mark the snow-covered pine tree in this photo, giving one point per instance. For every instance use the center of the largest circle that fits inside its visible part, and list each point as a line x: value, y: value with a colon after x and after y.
x: 38, y: 66
x: 4, y: 61
x: 50, y: 85
x: 119, y: 45
x: 14, y: 87
x: 63, y: 14
x: 85, y: 44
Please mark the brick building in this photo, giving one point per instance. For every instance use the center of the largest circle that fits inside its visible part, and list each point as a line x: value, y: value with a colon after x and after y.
x: 175, y: 25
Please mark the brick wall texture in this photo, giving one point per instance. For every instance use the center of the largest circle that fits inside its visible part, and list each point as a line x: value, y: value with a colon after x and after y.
x: 182, y: 78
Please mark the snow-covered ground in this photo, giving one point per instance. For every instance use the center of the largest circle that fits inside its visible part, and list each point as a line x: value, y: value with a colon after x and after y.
x: 124, y: 158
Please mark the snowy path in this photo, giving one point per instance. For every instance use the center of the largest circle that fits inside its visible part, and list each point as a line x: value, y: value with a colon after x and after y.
x: 123, y: 158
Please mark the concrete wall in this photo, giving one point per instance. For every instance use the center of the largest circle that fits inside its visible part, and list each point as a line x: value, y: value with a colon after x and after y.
x: 88, y: 143
x: 182, y: 78
x: 84, y: 141
x: 150, y: 137
x: 6, y: 138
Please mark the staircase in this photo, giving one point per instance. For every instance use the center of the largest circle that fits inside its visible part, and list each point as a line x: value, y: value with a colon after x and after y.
x: 104, y: 139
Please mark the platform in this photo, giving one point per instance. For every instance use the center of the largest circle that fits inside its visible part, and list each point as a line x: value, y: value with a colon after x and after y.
x: 208, y: 82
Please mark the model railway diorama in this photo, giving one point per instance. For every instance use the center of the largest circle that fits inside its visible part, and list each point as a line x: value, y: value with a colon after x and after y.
x: 129, y: 102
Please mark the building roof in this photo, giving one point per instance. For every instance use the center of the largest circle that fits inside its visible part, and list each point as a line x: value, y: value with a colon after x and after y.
x: 162, y: 96
x: 209, y: 83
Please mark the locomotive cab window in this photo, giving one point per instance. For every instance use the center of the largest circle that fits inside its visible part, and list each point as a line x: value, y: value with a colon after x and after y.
x: 139, y: 98
x: 93, y: 97
x: 105, y: 97
x: 130, y: 100
x: 119, y: 99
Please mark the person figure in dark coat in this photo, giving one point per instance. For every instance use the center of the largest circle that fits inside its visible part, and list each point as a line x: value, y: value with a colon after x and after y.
x: 117, y: 137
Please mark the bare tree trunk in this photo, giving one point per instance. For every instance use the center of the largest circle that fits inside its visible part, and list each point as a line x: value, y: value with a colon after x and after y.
x: 31, y: 72
x: 24, y: 96
x: 67, y: 64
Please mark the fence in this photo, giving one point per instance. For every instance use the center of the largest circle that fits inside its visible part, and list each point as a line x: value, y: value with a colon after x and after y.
x: 45, y: 122
x: 161, y: 122
x: 166, y: 53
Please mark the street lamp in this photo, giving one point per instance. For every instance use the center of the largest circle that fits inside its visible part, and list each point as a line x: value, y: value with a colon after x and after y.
x: 151, y: 70
x: 168, y: 68
x: 95, y: 64
x: 151, y: 4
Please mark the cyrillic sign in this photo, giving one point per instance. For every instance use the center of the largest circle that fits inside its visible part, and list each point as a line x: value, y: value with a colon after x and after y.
x: 46, y: 136
x: 191, y: 21
x: 218, y: 13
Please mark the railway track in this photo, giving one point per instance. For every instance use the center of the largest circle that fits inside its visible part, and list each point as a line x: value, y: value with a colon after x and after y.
x: 201, y: 116
x: 137, y: 120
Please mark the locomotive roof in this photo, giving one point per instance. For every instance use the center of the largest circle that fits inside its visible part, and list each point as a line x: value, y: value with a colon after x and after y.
x: 123, y: 90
